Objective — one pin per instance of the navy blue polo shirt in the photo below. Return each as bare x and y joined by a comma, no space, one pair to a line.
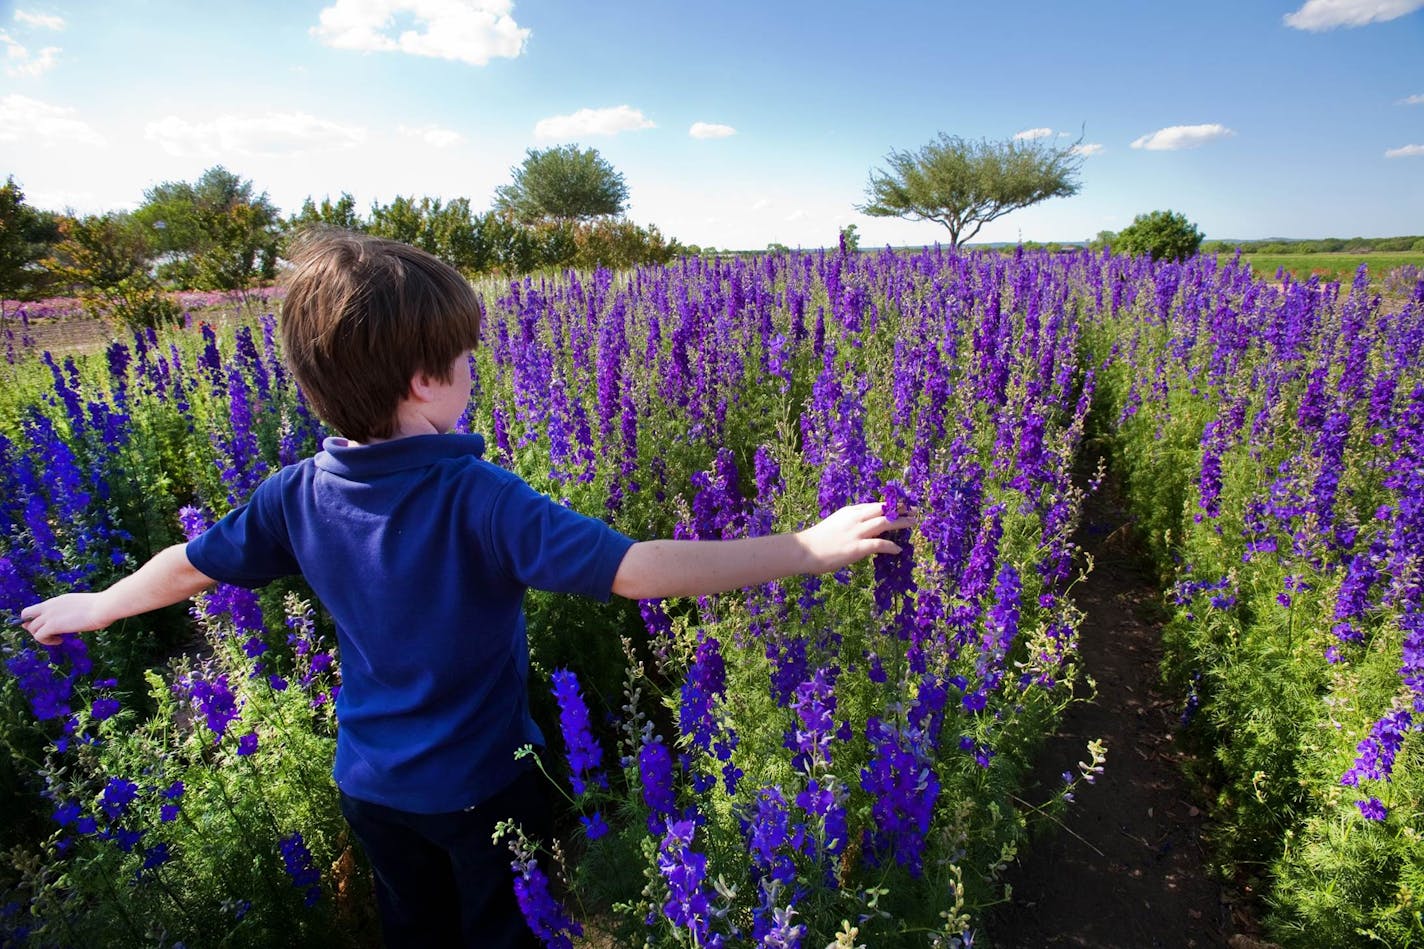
421,551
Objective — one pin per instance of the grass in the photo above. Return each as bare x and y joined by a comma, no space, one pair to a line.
1341,266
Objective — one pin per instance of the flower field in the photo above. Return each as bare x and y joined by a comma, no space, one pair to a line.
840,761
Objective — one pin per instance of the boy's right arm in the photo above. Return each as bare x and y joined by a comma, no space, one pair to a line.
661,568
166,579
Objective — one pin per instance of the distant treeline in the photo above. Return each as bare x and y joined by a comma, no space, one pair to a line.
219,234
1327,245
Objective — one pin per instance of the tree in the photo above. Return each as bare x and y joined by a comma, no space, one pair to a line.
563,183
212,234
105,259
965,184
1162,234
340,213
26,236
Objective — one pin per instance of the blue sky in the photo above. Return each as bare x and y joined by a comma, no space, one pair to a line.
735,124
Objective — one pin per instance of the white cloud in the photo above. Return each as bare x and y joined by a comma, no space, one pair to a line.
1320,15
1031,134
1407,151
470,31
609,121
796,215
273,133
1412,100
20,63
710,130
25,119
761,204
433,135
1089,148
1182,136
41,20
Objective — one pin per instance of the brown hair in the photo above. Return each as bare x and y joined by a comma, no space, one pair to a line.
362,317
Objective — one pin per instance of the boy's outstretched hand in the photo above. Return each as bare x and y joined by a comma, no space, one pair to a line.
166,579
850,534
693,567
52,620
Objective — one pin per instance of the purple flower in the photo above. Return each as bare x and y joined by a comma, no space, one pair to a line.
688,904
116,797
1372,809
104,707
594,826
655,770
297,860
247,745
584,754
546,918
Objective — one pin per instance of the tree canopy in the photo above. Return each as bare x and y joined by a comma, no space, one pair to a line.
214,233
563,183
25,236
1161,234
964,184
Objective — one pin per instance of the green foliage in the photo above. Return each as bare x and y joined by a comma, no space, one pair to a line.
450,231
104,259
26,236
212,234
340,214
850,238
964,184
1159,234
562,183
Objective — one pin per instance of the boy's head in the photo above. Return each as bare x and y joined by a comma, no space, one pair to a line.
363,316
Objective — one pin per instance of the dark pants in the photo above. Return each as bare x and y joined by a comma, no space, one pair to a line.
440,881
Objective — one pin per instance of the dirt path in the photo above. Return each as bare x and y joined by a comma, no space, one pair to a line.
1127,868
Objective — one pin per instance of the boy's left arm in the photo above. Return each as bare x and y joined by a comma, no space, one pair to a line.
168,578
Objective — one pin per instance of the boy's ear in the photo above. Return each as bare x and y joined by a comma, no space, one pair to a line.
422,388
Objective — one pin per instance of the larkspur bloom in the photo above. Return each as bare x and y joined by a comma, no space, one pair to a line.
584,754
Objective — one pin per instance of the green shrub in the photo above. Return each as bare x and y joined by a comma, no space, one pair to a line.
1160,234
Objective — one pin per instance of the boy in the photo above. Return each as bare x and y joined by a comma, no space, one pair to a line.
421,551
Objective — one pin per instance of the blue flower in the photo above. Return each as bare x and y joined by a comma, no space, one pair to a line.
297,860
584,753
594,825
116,797
1373,809
104,708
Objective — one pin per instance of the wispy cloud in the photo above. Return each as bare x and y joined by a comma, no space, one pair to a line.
1320,15
1177,137
271,133
42,20
608,121
1412,100
20,63
1031,134
1087,148
23,118
470,31
1406,151
433,135
710,130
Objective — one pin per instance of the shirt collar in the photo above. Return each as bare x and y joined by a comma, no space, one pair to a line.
341,457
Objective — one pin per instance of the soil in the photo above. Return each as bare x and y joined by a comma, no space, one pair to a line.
1127,867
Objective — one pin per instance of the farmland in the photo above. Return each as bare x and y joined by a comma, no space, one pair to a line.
1331,266
866,738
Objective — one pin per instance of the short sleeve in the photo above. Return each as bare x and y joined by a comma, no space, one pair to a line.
546,546
249,546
